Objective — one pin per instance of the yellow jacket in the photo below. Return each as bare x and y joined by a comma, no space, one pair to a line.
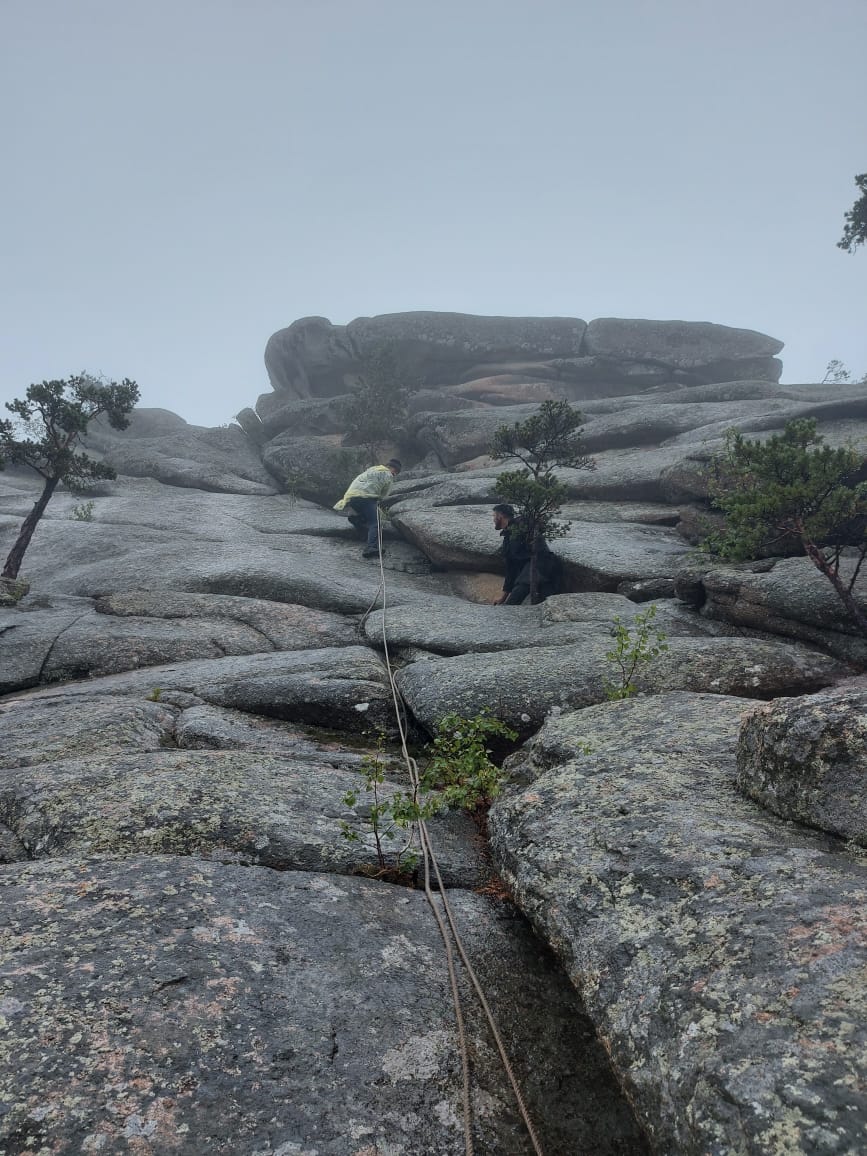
373,483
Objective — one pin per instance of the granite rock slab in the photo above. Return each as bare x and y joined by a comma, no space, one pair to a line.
522,686
178,1005
806,759
721,953
245,806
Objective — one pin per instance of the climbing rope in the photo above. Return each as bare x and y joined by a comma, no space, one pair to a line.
430,861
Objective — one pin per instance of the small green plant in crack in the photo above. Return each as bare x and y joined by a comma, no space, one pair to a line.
389,815
83,512
460,766
155,695
635,644
460,773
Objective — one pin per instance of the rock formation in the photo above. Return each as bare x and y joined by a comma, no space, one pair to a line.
200,952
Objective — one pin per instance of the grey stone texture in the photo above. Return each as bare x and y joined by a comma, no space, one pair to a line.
194,957
158,444
196,1006
522,686
806,759
313,358
720,952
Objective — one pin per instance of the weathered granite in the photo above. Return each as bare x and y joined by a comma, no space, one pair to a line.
702,350
26,640
177,1005
787,596
217,544
806,759
158,444
559,621
337,688
721,953
522,686
316,468
246,806
313,358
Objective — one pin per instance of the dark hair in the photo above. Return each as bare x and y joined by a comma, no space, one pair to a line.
394,464
506,510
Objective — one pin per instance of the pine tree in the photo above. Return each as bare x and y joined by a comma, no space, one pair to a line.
550,438
52,417
793,491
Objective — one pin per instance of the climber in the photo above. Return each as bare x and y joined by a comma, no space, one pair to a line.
363,497
517,556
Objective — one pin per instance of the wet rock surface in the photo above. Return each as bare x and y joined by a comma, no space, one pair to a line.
522,686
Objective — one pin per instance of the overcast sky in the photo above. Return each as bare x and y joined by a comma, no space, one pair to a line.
184,177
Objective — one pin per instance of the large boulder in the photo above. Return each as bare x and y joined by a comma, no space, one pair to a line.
806,759
789,597
313,358
338,688
562,619
315,468
721,952
700,350
250,807
127,631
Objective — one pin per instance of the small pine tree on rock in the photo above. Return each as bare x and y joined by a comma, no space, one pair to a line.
793,491
51,418
855,230
548,439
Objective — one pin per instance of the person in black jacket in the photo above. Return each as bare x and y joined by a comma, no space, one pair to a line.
516,556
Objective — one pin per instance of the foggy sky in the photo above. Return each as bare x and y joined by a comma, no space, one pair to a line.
184,177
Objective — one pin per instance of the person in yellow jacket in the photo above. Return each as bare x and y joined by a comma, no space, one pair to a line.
363,497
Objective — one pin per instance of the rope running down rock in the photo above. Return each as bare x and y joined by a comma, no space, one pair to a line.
430,861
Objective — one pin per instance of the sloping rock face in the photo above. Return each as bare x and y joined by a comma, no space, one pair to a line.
721,953
213,942
158,444
199,1006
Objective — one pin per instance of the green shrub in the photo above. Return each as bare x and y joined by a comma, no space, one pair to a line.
82,513
635,644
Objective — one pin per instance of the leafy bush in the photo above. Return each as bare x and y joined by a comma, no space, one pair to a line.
460,766
82,512
460,773
635,644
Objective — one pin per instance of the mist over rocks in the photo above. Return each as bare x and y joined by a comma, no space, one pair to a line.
196,687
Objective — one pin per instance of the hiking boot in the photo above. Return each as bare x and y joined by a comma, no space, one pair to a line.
367,553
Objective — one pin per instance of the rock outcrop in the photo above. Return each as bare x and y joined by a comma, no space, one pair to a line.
721,953
313,358
806,759
210,944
